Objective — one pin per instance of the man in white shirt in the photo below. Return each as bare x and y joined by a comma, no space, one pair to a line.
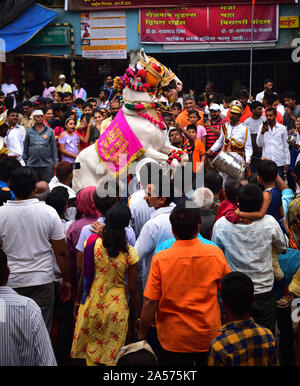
272,138
23,334
158,228
15,136
254,123
10,89
63,177
268,86
234,138
140,211
30,231
248,249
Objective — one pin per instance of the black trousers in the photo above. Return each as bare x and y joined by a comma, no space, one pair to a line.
263,310
179,359
64,318
43,295
286,337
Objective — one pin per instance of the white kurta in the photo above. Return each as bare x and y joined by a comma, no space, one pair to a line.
237,132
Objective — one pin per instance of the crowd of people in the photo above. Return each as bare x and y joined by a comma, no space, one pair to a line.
203,277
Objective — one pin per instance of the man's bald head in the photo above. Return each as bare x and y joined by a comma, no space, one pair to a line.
42,190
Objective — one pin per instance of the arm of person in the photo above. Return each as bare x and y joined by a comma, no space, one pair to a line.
60,251
133,288
287,154
278,238
248,147
260,137
203,139
257,215
207,125
281,212
218,144
87,135
280,183
185,133
65,152
53,148
79,292
79,260
26,147
147,316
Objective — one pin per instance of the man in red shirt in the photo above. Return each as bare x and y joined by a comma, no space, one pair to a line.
182,290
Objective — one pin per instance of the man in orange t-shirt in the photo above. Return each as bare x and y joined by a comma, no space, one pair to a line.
182,290
188,105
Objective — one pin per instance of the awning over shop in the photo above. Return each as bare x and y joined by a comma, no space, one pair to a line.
26,26
93,5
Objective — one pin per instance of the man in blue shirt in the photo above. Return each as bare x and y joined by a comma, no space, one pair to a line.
40,148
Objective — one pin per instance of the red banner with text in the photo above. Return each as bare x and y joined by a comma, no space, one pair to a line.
223,24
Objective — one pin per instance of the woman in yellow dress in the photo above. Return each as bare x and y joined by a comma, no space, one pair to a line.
102,321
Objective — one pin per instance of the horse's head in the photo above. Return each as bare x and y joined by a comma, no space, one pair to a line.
157,75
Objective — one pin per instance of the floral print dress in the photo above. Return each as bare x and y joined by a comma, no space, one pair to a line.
102,322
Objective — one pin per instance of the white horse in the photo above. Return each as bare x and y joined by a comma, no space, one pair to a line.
152,138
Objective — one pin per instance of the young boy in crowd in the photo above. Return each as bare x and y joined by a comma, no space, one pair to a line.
267,171
198,148
193,118
230,204
242,341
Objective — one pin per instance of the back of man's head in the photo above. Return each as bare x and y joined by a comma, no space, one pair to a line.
213,181
63,170
232,188
9,102
185,222
138,354
42,190
7,166
105,197
270,97
250,198
267,170
22,182
141,358
237,291
203,198
58,201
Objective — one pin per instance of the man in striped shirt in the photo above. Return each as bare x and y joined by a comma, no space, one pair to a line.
24,337
213,125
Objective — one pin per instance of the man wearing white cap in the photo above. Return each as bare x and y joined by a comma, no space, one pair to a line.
235,137
63,86
40,148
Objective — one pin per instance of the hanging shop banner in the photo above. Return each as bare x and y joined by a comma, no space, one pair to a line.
103,35
224,24
98,5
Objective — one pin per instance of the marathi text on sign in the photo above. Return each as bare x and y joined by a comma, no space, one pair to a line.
210,24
